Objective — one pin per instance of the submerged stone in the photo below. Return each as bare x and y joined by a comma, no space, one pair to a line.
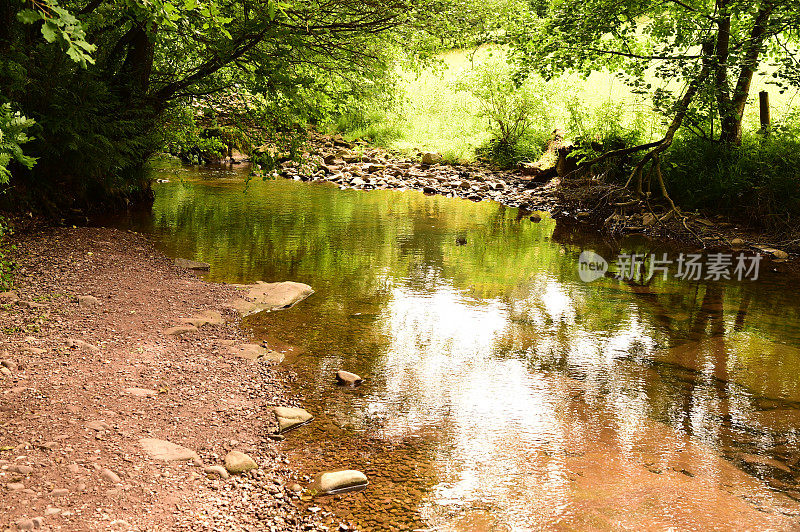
331,482
192,265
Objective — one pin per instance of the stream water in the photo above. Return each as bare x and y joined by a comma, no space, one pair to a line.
502,392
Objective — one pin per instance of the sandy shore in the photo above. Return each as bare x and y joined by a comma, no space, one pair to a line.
86,379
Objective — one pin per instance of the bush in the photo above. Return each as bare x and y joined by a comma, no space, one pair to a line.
758,181
517,115
6,265
12,135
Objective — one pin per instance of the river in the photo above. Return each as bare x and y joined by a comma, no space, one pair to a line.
502,392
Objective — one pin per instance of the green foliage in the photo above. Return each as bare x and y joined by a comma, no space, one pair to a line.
97,76
518,115
6,265
60,26
286,146
12,135
192,143
661,48
756,182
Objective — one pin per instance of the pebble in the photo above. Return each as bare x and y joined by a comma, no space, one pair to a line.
26,524
21,469
217,470
59,492
110,476
15,486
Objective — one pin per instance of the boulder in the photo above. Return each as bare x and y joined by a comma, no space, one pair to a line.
272,296
348,379
237,462
167,451
339,481
290,418
192,265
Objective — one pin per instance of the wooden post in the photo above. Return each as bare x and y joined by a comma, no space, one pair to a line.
763,100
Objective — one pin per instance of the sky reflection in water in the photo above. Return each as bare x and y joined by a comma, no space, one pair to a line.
501,392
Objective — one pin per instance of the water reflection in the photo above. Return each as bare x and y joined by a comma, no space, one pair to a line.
501,392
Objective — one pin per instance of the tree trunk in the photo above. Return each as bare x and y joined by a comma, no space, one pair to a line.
731,116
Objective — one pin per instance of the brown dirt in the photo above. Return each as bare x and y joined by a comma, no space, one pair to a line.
64,414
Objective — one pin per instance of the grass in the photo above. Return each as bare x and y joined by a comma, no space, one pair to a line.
434,115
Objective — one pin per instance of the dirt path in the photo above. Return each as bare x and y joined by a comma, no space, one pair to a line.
84,383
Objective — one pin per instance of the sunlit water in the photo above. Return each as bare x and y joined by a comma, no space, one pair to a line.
501,392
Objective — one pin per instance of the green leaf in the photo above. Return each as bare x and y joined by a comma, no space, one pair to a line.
49,31
29,16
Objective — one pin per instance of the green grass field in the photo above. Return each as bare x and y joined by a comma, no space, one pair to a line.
436,116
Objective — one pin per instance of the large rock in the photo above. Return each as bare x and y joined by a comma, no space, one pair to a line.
206,317
272,296
290,418
192,265
87,301
339,481
256,352
8,297
237,462
167,451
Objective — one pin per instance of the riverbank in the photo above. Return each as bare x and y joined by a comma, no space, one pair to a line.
591,204
93,379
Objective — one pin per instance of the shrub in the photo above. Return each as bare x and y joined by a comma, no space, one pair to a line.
517,114
759,180
12,135
6,265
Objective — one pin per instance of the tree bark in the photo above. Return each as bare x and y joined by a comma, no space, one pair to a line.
731,117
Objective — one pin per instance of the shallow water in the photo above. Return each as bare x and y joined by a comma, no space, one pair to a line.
501,392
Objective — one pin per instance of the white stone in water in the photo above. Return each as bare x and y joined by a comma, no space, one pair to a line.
289,418
272,296
337,481
347,378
